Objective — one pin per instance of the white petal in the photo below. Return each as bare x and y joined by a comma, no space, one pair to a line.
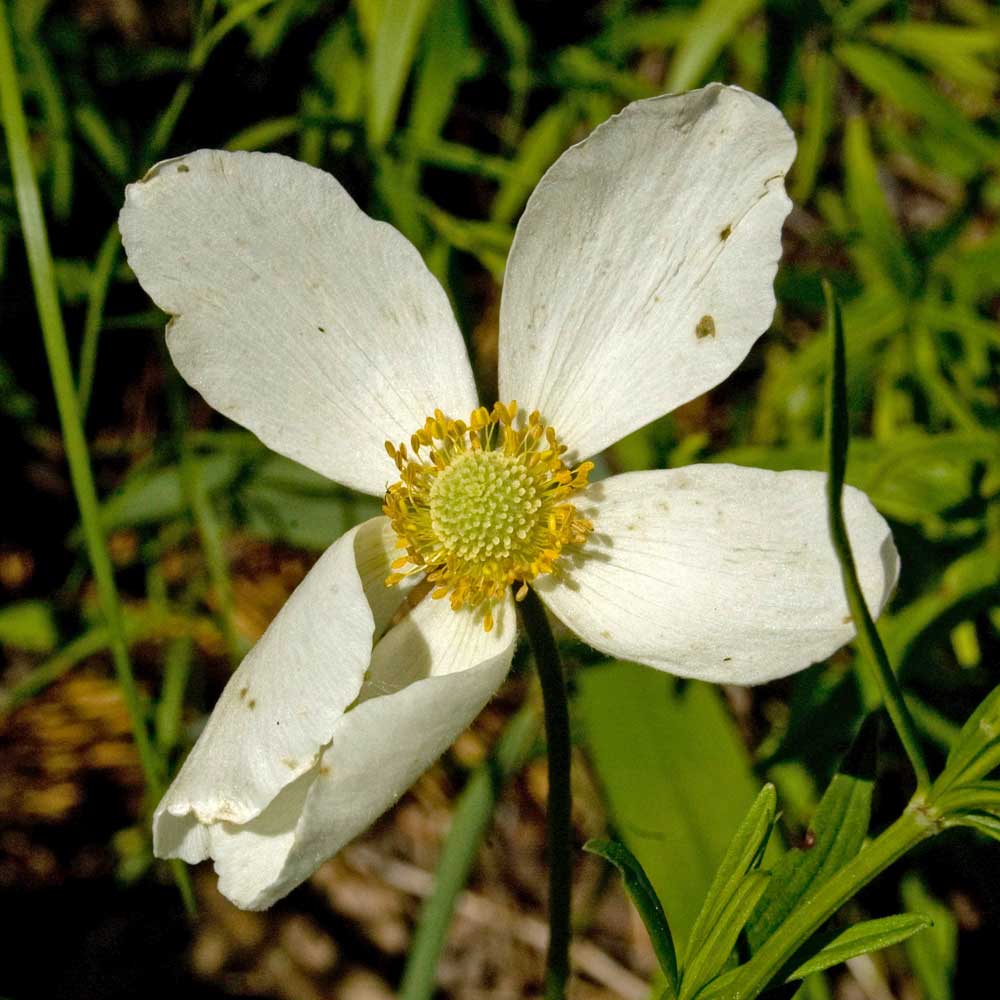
720,572
280,706
669,212
294,313
430,676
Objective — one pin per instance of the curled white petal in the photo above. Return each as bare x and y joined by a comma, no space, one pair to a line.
719,572
278,709
396,710
641,271
293,312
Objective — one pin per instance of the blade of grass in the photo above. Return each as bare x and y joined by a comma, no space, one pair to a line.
648,905
78,457
396,38
468,827
715,25
52,103
209,533
868,641
104,268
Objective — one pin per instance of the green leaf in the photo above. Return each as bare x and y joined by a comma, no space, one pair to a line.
891,79
265,133
151,496
395,44
933,957
871,212
712,953
658,773
714,25
980,732
647,32
487,241
537,150
28,625
577,67
820,82
744,854
641,892
446,60
859,939
285,501
984,823
100,136
951,50
835,836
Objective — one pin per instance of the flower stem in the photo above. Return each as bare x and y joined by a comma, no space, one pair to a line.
550,674
868,641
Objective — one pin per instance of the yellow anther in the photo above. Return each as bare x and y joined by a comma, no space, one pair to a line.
484,507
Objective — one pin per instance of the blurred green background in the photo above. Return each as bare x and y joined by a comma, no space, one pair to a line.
440,116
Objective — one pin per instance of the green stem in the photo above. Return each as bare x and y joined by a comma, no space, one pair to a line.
54,337
915,825
557,736
57,352
868,641
473,814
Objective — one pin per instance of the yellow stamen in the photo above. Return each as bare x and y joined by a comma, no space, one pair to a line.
485,508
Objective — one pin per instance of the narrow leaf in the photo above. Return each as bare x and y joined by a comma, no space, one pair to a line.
871,211
713,26
399,29
984,823
837,832
745,852
712,953
820,81
891,78
859,939
981,729
642,894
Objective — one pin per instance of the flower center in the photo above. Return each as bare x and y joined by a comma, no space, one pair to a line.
484,507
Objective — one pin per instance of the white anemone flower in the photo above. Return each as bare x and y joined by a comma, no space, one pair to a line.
640,276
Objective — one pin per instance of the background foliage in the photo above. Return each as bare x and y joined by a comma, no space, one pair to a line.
440,117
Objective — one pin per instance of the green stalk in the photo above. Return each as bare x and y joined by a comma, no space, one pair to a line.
559,828
473,813
914,826
869,643
56,350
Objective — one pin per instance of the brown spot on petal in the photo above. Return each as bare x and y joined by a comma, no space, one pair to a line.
705,328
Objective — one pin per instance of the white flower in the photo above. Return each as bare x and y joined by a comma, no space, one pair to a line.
639,277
